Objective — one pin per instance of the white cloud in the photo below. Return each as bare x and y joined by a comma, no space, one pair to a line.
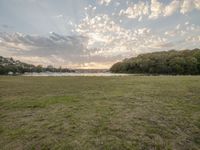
188,5
104,2
109,39
171,8
60,16
158,9
155,9
136,11
100,29
142,31
185,29
196,4
193,39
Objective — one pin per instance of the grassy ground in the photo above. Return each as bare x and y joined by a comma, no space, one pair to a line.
134,112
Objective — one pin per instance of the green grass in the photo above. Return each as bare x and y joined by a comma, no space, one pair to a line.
132,112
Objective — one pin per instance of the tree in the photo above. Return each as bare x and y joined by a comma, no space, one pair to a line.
191,65
170,62
177,65
39,68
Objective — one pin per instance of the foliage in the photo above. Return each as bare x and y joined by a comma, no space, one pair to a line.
8,65
167,62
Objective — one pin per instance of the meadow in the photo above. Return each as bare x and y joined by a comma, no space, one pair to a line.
88,113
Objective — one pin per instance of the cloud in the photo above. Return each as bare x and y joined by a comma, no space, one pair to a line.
108,39
136,11
158,9
104,2
155,9
96,39
53,41
193,38
185,29
101,39
171,8
53,47
60,16
98,43
184,36
188,5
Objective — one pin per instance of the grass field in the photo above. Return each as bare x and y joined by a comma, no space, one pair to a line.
132,112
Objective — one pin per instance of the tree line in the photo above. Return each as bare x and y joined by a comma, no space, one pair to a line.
10,66
186,62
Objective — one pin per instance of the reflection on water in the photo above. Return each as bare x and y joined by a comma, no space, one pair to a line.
73,74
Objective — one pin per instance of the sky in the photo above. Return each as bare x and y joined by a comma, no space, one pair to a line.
92,34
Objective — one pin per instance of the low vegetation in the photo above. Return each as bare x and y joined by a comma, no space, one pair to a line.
131,112
185,62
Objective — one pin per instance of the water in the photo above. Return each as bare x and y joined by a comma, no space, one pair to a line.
73,74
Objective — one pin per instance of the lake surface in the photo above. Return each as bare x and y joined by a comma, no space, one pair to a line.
74,74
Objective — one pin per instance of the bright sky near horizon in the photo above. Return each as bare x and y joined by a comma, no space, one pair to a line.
95,33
